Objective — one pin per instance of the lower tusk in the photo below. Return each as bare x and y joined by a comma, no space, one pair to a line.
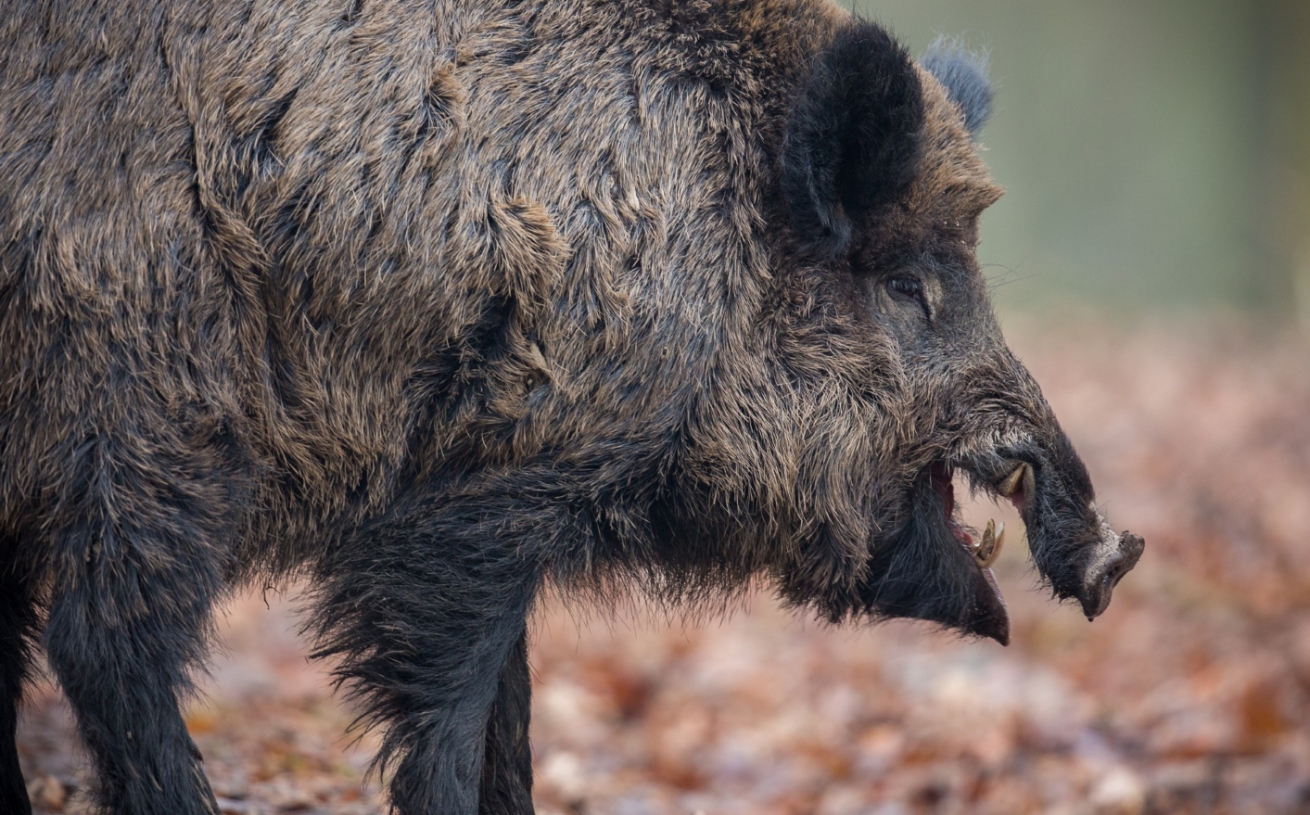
993,540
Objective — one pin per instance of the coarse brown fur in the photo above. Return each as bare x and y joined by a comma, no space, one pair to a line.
435,302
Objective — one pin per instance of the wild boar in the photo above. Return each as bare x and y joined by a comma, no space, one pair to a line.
432,304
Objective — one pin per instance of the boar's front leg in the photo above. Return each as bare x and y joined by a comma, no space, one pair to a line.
136,566
426,609
17,627
506,787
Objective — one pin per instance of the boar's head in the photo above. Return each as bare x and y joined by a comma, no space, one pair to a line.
886,354
711,306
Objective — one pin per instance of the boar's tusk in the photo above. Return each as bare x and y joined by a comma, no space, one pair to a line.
1014,480
993,540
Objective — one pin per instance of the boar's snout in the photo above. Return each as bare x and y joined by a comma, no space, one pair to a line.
1116,555
1071,542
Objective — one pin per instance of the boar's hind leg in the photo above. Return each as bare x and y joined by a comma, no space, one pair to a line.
425,612
507,764
17,627
134,577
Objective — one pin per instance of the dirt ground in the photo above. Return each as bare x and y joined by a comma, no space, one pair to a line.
1190,695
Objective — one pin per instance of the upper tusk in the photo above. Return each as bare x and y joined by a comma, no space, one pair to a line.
1013,481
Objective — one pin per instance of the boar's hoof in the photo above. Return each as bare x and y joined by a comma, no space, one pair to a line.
1122,553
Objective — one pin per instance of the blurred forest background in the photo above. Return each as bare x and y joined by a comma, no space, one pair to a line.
1157,155
1151,264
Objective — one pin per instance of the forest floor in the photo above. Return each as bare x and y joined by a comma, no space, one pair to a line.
1190,695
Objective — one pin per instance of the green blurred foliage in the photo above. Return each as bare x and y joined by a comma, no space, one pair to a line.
1156,155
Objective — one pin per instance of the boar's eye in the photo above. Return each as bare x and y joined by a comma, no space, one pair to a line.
905,286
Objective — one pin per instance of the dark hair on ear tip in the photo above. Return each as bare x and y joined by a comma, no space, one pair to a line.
853,135
964,75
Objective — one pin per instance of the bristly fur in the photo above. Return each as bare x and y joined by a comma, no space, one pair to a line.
443,305
964,75
853,135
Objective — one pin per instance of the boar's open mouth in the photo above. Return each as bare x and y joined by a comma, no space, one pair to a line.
1071,543
933,568
984,549
987,548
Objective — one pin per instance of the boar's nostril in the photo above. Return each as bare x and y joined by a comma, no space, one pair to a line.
1101,581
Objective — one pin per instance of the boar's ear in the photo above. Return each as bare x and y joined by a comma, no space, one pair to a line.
964,76
853,135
